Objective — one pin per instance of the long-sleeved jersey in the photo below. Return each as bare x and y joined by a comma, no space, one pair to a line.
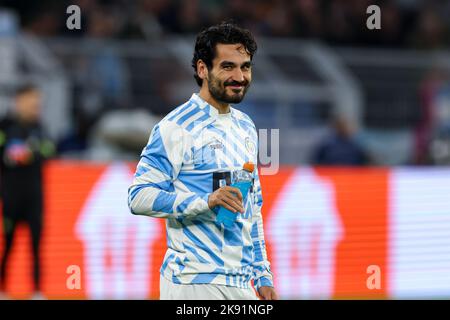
187,154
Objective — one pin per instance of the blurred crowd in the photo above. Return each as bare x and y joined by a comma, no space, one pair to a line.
105,93
405,23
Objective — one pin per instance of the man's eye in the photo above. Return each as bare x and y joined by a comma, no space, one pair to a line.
228,68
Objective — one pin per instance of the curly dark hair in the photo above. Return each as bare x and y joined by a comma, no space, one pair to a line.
223,33
26,88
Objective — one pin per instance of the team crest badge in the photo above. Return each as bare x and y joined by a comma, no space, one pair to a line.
250,146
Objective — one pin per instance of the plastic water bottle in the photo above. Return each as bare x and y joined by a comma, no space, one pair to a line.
242,179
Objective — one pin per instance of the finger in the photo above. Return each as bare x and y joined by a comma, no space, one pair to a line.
231,198
235,191
227,206
273,295
232,195
232,201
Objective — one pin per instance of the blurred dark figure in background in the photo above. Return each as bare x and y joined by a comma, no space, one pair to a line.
340,147
23,148
432,134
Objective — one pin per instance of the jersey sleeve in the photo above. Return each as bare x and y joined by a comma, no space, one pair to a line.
262,274
152,192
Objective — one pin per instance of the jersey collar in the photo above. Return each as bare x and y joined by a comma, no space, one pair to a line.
213,112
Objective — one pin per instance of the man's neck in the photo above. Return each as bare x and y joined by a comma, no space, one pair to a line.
221,107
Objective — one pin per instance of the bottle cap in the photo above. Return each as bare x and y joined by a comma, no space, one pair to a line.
249,166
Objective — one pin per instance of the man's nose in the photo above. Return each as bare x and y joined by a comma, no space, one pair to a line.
238,75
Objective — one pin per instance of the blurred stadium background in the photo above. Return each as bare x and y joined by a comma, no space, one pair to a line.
326,222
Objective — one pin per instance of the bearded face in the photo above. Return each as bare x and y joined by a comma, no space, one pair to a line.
230,77
229,91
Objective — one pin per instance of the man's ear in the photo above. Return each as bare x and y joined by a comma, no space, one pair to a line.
202,69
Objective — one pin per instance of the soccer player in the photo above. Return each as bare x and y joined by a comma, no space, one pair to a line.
184,174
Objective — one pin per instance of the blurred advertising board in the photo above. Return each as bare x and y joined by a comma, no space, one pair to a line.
331,233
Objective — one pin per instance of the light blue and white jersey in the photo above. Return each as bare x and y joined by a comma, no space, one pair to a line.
173,180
